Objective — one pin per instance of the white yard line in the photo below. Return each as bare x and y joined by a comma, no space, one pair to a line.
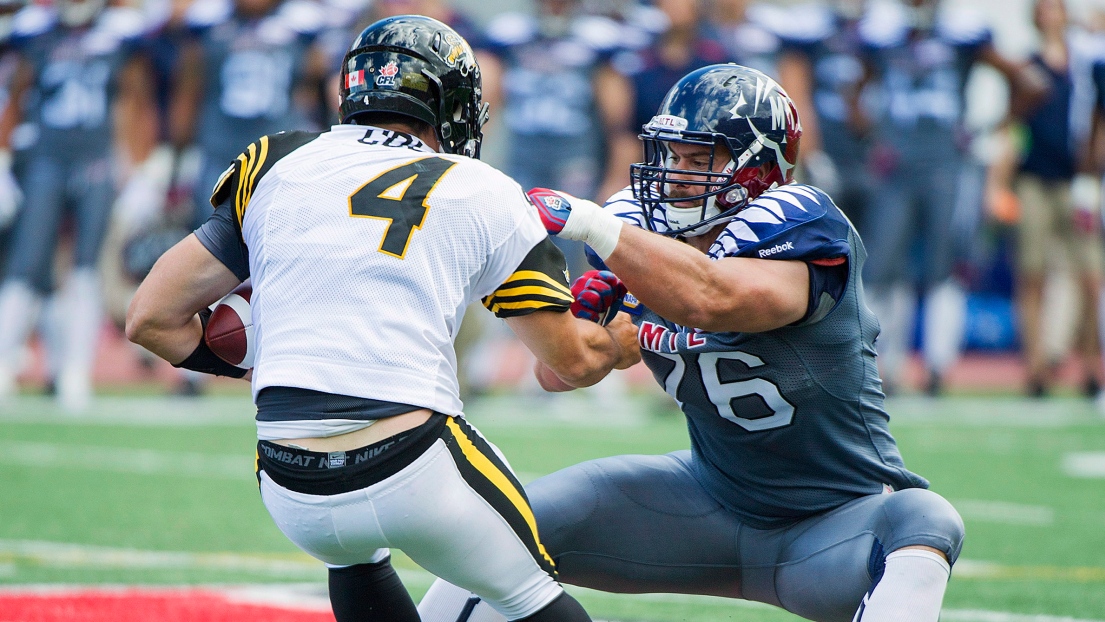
136,411
1005,513
125,460
1085,465
62,555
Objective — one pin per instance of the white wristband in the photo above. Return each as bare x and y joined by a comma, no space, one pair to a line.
592,225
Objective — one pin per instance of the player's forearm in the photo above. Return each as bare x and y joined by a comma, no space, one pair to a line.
595,356
167,340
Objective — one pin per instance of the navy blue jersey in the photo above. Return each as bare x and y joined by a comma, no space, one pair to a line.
1050,153
922,75
75,78
831,44
652,79
252,67
547,82
790,422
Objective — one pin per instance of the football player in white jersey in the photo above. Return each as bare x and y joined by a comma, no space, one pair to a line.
365,244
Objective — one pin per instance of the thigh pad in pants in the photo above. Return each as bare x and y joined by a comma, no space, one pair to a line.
635,524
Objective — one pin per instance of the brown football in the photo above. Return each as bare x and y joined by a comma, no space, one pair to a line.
229,332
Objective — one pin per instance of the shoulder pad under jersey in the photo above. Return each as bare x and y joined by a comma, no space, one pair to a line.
206,13
303,17
794,221
801,25
239,181
884,25
598,33
32,21
959,25
511,29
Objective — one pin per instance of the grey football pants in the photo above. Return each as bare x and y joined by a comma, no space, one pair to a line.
635,524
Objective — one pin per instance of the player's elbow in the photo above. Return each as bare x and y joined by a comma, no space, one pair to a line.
144,322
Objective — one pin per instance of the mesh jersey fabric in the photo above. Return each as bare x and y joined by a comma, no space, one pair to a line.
332,309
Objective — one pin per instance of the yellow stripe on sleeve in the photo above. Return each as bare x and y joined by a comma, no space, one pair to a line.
257,168
531,289
496,477
243,164
527,304
523,275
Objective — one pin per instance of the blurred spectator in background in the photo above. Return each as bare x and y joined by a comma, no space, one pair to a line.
253,69
821,68
747,33
10,201
77,66
684,44
921,59
1059,210
550,80
441,10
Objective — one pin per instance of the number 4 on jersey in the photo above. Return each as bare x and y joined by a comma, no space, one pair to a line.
400,197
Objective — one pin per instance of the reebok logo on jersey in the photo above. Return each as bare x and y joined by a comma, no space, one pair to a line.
778,248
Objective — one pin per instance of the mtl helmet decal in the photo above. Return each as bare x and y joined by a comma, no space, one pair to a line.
387,74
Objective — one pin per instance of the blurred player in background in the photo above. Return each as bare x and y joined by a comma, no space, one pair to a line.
920,58
78,67
11,196
682,45
356,369
821,67
551,74
793,492
253,69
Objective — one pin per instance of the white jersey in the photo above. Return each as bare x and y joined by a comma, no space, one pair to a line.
365,248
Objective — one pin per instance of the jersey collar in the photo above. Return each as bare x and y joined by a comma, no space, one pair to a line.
371,135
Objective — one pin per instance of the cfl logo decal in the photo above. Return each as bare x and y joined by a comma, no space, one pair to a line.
653,337
387,74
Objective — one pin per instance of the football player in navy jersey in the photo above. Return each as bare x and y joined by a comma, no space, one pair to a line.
821,67
752,316
248,72
78,65
921,57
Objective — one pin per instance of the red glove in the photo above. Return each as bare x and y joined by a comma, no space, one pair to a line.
598,296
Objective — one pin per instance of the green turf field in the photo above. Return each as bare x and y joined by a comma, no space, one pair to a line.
152,491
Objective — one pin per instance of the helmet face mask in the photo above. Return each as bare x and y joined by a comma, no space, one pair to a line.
742,122
417,67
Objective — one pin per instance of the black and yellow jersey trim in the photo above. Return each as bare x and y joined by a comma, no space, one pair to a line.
540,283
240,180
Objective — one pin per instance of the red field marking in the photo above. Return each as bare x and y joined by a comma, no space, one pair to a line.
144,606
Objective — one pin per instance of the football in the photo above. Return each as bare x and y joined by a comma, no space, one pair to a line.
229,331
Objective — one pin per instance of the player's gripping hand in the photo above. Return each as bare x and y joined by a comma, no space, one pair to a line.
578,219
598,296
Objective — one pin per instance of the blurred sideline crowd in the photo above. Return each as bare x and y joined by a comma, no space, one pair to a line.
120,115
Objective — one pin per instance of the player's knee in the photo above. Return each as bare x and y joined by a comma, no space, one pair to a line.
921,517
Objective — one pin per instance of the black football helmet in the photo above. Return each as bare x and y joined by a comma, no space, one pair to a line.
417,67
742,111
